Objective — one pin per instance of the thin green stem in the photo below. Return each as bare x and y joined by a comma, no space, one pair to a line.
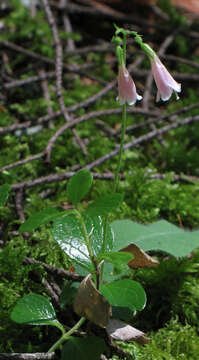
59,326
65,336
124,47
116,179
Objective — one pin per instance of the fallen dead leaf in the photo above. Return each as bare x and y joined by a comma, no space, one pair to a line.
121,331
91,304
141,259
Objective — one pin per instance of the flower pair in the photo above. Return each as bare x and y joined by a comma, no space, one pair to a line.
164,82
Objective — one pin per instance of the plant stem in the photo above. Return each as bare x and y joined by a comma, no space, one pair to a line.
59,326
124,47
65,336
116,179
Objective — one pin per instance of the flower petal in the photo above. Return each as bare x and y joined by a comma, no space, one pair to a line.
163,79
126,88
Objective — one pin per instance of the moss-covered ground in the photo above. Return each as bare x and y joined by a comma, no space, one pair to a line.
161,175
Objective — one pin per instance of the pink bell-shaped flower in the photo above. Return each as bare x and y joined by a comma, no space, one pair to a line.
164,81
126,87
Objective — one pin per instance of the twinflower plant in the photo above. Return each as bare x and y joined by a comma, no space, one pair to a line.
164,81
107,297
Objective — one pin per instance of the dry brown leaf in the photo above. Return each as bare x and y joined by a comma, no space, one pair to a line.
121,331
91,304
141,259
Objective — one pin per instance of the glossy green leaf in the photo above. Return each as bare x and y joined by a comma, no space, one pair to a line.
117,258
68,234
41,218
78,186
89,348
105,204
111,273
160,235
125,293
33,309
4,192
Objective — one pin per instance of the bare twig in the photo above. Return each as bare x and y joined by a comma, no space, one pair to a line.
68,27
52,293
19,207
142,139
44,85
56,178
150,135
54,270
28,356
87,10
59,67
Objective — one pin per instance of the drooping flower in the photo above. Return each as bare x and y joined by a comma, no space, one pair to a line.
126,87
164,81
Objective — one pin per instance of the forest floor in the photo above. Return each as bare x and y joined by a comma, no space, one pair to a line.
62,69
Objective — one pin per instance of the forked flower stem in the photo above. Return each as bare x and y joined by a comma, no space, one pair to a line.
65,336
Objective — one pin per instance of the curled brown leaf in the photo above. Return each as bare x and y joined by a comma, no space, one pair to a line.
141,259
91,304
121,331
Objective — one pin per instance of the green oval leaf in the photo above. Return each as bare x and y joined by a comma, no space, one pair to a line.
89,348
33,309
68,234
105,204
125,293
119,259
4,192
41,218
160,235
78,186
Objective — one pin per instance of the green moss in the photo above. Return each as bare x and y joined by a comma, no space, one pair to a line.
175,341
173,288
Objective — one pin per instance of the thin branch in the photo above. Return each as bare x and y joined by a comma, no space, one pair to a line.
72,8
54,270
28,356
55,178
59,68
73,108
60,177
19,206
52,293
44,86
23,82
68,28
142,139
70,68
